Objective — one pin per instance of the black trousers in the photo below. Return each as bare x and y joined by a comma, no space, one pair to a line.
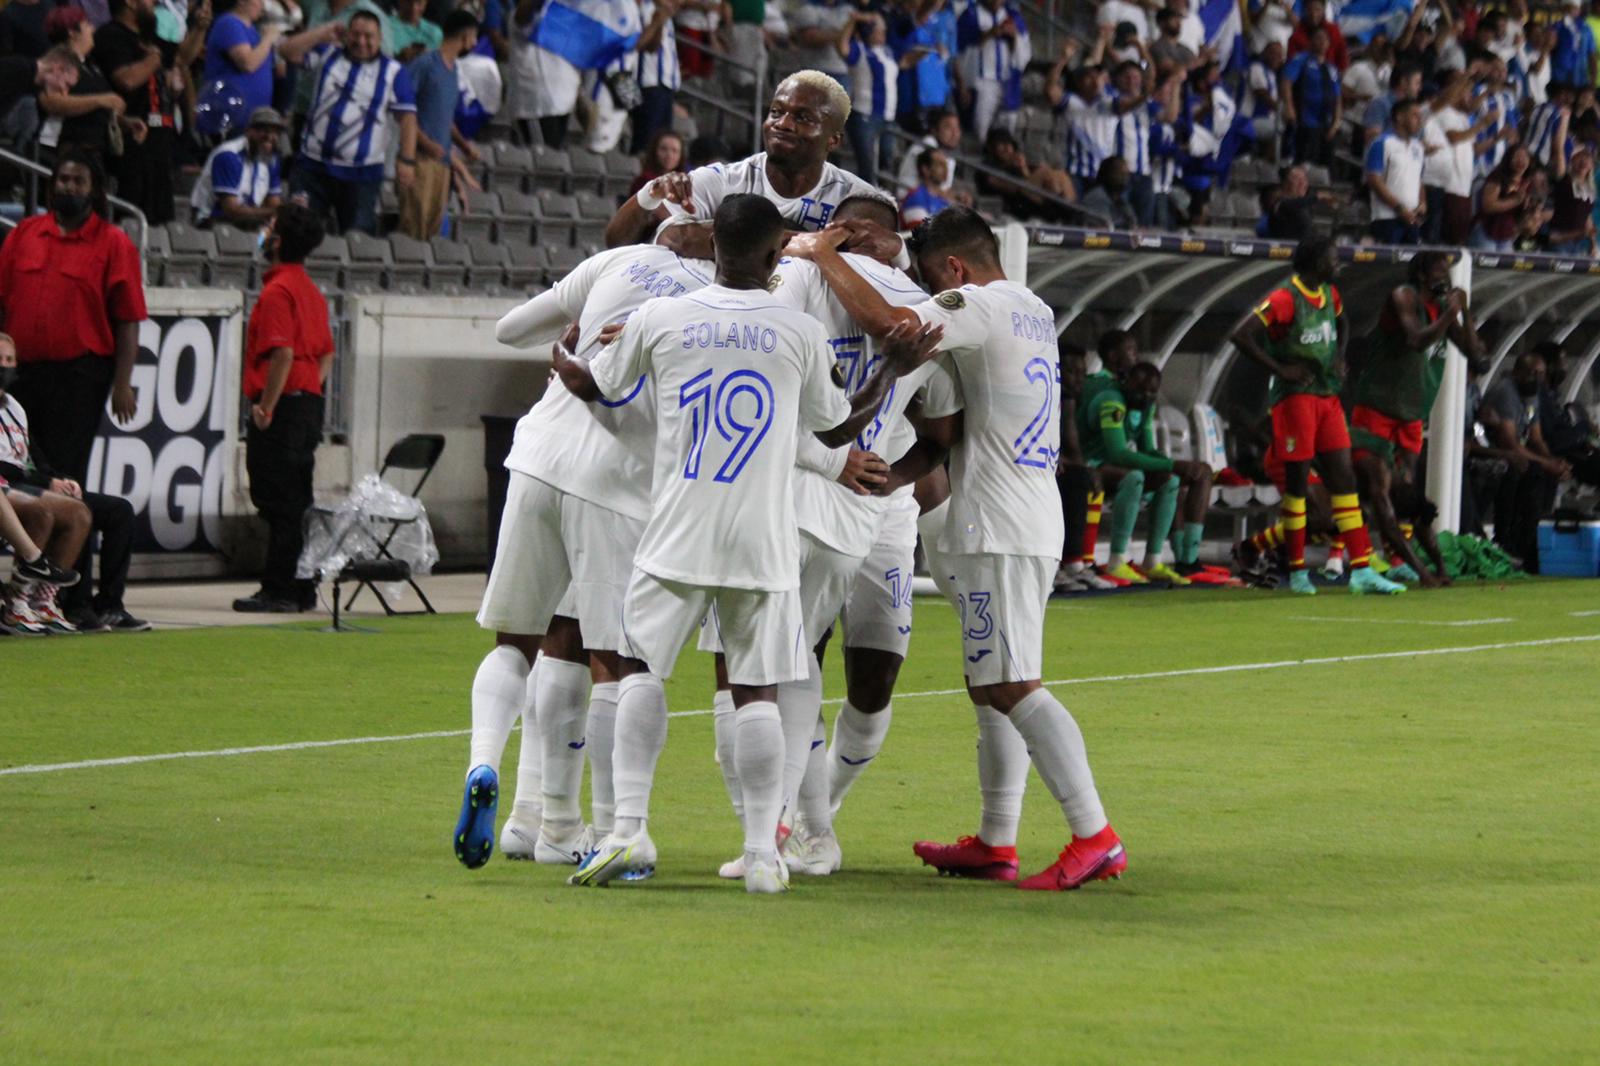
144,174
1519,503
111,517
280,460
1075,485
654,114
65,402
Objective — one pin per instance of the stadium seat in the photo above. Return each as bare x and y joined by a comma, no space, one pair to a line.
477,219
369,260
326,265
193,250
562,262
235,265
528,263
409,260
509,167
1318,174
588,170
621,169
594,211
551,169
517,213
557,215
449,264
488,263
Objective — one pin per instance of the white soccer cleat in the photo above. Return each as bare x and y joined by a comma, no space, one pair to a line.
732,870
617,858
813,854
519,841
564,851
763,876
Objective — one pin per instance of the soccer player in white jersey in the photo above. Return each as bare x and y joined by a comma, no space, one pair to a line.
737,378
996,413
804,122
575,508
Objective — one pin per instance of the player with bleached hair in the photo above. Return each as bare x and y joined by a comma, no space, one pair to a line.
738,377
995,410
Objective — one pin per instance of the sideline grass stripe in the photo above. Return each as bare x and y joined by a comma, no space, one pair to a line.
1104,679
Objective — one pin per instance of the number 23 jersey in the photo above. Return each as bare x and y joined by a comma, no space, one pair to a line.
1003,371
738,376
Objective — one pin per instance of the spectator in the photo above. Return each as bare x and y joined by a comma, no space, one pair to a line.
58,525
1394,175
1191,31
1131,142
545,85
1024,197
945,135
1529,68
288,353
1405,83
358,88
1263,79
413,34
1572,229
91,114
1500,202
1316,17
995,50
923,34
22,31
1511,417
240,58
1272,21
145,69
1116,12
1496,101
698,22
1420,43
240,183
21,466
323,13
874,86
1574,61
659,75
76,339
1550,122
927,199
814,30
1091,121
663,156
22,82
1127,46
1110,197
433,76
610,105
1368,77
1310,90
1567,429
1533,221
1168,49
1448,140
1290,207
33,565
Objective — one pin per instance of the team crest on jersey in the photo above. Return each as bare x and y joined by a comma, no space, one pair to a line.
774,282
950,300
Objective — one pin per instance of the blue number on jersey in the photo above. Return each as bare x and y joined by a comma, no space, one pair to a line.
849,356
1027,449
707,407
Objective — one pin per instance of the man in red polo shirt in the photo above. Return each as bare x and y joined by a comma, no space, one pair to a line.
288,352
72,297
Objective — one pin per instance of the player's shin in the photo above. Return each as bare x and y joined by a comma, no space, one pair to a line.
857,739
1294,530
758,753
799,705
725,725
1002,777
1056,744
1091,527
562,687
1352,528
498,691
1124,514
815,805
527,811
601,733
1162,511
641,734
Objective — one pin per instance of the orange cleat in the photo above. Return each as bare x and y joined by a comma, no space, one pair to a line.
969,857
1098,858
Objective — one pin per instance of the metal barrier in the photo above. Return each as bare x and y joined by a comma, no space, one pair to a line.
117,204
755,110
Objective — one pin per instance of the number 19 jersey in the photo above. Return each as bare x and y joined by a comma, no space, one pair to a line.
738,377
1003,370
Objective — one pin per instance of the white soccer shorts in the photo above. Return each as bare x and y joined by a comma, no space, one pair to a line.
825,577
1002,603
559,554
877,611
762,634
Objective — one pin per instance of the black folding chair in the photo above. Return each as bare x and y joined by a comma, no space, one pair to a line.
419,451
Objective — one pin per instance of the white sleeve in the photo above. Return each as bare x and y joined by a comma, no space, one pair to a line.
822,400
710,187
792,282
943,391
547,314
625,359
963,314
814,455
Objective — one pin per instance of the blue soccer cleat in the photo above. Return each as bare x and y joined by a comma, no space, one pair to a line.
1403,572
1363,582
474,835
1300,583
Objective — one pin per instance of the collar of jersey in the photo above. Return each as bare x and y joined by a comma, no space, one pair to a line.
1314,296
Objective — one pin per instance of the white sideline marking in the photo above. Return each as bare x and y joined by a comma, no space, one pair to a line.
1233,668
1583,614
1406,621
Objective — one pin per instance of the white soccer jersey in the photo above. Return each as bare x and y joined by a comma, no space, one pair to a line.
836,515
601,452
737,377
1004,371
714,183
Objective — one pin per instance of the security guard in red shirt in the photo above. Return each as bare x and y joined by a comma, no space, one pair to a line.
288,353
72,294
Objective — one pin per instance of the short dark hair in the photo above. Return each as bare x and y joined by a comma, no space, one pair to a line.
1401,72
298,230
362,13
743,225
458,22
1403,105
1550,350
866,204
90,160
925,158
958,231
1423,262
61,21
1126,64
1145,371
1108,342
1309,251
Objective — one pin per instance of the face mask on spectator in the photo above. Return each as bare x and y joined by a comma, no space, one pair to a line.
8,378
70,207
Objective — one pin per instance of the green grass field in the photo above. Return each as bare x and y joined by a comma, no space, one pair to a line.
1373,859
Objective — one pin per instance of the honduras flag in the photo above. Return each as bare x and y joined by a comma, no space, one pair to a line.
1224,32
1360,19
589,34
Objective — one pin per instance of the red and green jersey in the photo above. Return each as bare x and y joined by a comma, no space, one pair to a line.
1394,378
1303,326
1113,435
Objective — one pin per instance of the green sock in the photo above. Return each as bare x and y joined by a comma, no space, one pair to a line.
1162,512
1125,510
1193,534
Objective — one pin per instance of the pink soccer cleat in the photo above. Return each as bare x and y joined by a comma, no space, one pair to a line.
1098,858
969,857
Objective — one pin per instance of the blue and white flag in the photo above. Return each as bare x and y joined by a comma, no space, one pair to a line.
589,34
1360,19
1224,32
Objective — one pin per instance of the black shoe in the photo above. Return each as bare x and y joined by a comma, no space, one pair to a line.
263,602
89,620
307,598
42,569
118,620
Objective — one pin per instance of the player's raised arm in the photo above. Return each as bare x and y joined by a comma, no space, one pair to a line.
643,212
904,348
870,310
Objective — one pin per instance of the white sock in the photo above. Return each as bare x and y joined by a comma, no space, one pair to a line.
1115,560
724,724
641,734
857,739
815,807
1002,777
759,753
602,733
1056,744
562,689
528,809
799,706
498,690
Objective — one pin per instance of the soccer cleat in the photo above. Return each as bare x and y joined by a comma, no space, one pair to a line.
813,854
474,835
1163,572
18,619
1402,572
1300,583
1069,582
1093,579
564,851
732,870
42,598
617,858
765,876
43,571
1127,575
1364,581
969,857
1098,858
518,840
1333,569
